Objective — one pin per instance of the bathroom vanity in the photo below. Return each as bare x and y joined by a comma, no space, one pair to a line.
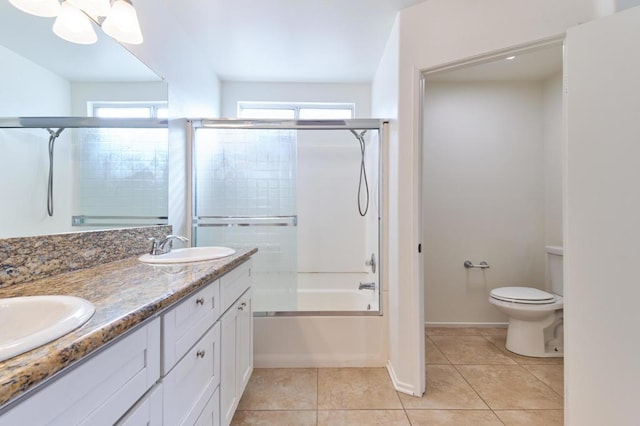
168,344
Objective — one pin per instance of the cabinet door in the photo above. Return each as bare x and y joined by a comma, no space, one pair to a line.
210,415
101,389
229,397
192,382
147,411
244,341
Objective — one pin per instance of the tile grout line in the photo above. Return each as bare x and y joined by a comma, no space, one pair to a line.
464,378
317,395
523,366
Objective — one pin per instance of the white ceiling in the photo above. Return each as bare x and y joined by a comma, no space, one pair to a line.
536,64
240,40
291,40
249,40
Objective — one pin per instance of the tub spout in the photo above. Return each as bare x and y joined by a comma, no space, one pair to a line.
367,286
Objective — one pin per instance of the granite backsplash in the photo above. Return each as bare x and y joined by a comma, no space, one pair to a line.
26,259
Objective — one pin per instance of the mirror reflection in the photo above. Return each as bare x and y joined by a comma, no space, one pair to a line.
102,177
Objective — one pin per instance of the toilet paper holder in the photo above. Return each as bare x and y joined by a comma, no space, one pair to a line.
482,265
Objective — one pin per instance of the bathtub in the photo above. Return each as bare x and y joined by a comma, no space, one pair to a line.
336,292
332,328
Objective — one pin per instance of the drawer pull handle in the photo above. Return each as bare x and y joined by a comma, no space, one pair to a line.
241,308
200,354
243,304
200,301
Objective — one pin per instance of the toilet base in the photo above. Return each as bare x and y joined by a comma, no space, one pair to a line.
537,338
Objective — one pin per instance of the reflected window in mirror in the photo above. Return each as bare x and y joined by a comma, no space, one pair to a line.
122,173
128,110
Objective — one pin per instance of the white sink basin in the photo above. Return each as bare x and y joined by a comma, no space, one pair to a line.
190,254
29,322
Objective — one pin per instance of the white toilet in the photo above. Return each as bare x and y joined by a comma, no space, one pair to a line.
535,316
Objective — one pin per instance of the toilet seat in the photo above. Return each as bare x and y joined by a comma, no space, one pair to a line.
524,295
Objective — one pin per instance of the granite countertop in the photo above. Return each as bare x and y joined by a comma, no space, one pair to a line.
125,293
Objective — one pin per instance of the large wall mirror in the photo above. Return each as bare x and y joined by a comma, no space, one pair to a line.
102,177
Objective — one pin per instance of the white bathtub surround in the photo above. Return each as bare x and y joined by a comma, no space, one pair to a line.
321,341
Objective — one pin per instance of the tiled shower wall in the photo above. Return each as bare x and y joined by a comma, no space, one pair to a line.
122,172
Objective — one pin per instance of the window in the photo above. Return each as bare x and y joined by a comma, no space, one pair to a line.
128,110
301,111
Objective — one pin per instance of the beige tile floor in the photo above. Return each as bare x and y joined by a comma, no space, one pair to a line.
471,380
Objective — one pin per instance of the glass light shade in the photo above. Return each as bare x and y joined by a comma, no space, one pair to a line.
122,23
45,8
74,26
93,8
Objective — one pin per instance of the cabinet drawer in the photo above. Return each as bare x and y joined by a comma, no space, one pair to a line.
184,324
210,416
147,411
100,390
190,384
233,284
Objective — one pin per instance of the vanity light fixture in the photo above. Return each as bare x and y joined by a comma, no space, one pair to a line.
73,25
93,8
122,23
44,8
118,18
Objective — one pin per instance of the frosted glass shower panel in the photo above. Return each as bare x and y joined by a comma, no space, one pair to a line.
245,196
244,172
274,266
122,172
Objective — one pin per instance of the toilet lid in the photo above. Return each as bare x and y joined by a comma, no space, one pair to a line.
528,295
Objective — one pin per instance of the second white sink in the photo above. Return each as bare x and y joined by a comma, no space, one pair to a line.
32,321
190,254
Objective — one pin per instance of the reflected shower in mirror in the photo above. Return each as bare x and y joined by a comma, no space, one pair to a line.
98,172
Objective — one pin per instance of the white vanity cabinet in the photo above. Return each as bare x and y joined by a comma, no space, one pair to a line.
208,359
100,390
191,356
236,336
174,370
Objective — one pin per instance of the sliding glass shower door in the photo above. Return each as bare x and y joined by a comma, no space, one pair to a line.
245,196
307,195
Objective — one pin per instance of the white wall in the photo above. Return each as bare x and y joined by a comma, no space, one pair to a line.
235,91
483,195
602,208
432,34
553,136
405,343
143,91
194,91
30,90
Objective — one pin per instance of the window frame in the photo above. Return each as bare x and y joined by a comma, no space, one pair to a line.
294,106
153,107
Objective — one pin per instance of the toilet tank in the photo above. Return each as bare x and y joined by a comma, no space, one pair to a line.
554,265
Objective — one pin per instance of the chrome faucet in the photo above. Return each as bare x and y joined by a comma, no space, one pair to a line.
367,286
165,244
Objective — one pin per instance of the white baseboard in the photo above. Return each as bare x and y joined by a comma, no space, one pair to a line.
467,324
397,384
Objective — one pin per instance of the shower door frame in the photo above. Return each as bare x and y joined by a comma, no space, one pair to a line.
347,124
